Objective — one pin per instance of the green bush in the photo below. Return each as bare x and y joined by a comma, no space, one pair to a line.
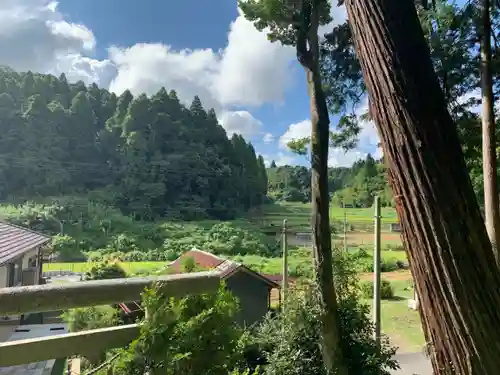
190,336
296,349
66,249
105,270
364,262
86,318
386,289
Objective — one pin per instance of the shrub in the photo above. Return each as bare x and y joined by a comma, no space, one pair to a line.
189,336
364,262
296,350
386,289
66,249
105,270
88,318
226,238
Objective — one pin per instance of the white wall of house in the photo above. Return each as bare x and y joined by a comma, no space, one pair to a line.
3,276
27,256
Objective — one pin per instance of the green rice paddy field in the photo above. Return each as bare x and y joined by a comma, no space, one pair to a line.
298,215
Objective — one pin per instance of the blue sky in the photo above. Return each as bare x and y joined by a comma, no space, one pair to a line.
196,47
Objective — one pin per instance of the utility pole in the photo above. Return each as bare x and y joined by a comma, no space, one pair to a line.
345,228
376,275
284,283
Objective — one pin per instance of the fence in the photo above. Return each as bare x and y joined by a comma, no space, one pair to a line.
50,297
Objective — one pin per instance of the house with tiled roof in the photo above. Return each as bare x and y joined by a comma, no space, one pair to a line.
21,251
252,289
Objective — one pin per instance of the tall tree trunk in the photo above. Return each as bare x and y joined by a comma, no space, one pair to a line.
449,251
491,203
322,244
308,56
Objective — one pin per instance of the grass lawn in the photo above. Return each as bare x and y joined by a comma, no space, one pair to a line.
401,324
129,267
271,266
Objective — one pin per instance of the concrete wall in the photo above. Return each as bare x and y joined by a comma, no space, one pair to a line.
3,276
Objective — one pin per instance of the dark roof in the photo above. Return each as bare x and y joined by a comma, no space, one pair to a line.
15,241
278,279
226,267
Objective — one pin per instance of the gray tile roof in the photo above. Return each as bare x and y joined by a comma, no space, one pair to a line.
16,241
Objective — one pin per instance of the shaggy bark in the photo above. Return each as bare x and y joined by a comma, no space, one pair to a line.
449,251
308,56
491,203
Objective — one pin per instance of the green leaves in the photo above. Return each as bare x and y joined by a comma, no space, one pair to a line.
190,336
282,18
149,157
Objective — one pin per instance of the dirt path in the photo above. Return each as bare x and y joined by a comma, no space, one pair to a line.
412,364
401,275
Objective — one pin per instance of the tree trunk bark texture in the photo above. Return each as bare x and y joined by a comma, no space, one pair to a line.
322,243
322,246
491,203
448,248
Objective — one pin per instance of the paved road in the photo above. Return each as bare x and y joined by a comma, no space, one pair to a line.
413,363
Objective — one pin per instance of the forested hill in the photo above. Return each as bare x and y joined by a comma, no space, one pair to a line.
357,185
147,156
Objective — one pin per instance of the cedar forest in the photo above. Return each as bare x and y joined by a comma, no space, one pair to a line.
145,178
148,157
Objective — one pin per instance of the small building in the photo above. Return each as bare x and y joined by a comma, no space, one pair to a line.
20,259
21,251
252,289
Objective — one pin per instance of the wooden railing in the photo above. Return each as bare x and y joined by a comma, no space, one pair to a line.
51,297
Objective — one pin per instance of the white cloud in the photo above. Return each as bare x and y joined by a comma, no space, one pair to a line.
241,122
280,159
35,36
78,67
238,75
145,68
268,138
295,131
368,140
249,71
252,70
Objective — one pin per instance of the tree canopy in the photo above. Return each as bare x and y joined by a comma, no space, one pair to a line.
148,156
355,186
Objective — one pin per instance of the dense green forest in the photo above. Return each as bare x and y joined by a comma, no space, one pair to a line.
149,157
355,186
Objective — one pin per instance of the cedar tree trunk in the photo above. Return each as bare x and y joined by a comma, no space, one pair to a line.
491,204
443,232
308,56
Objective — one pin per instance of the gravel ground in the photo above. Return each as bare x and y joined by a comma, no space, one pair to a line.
413,364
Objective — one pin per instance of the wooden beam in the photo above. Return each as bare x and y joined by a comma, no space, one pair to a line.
13,353
63,296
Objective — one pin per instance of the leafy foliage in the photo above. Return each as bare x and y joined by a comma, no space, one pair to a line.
86,318
189,336
356,186
147,156
386,289
97,232
105,270
451,32
290,341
